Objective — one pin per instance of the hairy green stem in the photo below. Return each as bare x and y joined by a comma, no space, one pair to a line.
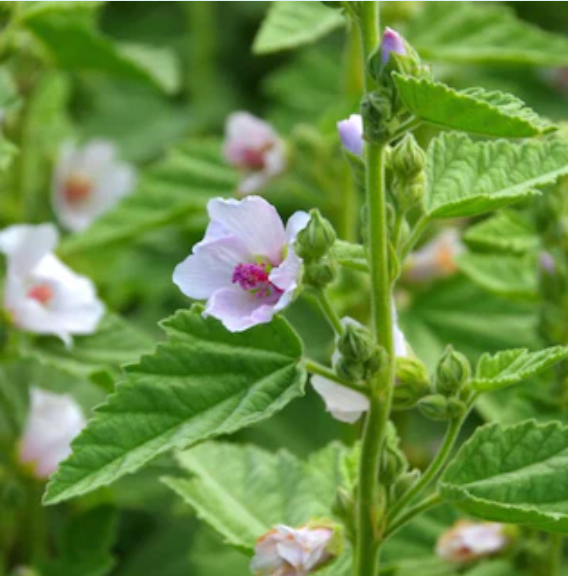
426,504
419,229
329,312
321,370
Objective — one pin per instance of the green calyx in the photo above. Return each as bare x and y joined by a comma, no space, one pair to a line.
316,239
452,372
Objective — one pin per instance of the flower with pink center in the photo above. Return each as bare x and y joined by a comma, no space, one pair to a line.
469,541
286,551
392,42
52,423
88,182
41,294
252,145
245,266
351,134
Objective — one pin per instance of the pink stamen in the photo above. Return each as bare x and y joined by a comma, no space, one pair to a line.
254,278
41,293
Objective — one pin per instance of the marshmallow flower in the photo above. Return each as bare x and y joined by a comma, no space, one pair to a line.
88,182
345,404
287,551
41,294
252,145
245,266
53,421
469,541
351,134
392,42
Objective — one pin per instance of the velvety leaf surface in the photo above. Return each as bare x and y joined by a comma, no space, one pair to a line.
203,382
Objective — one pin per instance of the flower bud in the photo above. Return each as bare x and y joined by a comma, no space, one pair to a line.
319,274
452,372
434,407
356,343
314,241
376,362
412,382
344,507
377,111
405,482
393,460
392,42
350,370
351,134
407,159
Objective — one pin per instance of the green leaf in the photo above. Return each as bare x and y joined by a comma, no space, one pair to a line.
515,474
466,178
292,24
504,274
471,32
505,231
84,49
511,366
474,110
243,491
175,189
203,382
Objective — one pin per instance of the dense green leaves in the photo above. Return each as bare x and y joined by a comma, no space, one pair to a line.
292,24
473,110
515,474
466,178
203,382
511,366
243,491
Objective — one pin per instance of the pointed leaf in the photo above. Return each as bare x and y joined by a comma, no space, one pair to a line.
466,178
511,366
203,382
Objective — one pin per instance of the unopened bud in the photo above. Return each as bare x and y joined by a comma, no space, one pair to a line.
377,111
315,240
393,460
392,42
356,343
405,482
344,507
452,372
376,362
351,134
434,407
320,274
412,382
407,159
350,370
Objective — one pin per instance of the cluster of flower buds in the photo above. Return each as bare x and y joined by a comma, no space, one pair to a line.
412,382
286,551
407,161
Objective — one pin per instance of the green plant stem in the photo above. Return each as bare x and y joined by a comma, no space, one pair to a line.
431,472
556,541
419,229
422,506
329,312
321,370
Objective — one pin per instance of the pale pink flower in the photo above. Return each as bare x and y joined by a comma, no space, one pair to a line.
392,42
252,145
52,423
288,551
468,541
88,182
41,294
245,266
436,259
351,134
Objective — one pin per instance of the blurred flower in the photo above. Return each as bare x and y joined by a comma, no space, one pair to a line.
88,182
468,541
392,42
351,134
546,263
41,294
436,259
253,146
287,551
53,421
245,266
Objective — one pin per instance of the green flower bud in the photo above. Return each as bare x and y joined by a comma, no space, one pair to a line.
315,240
320,274
377,112
376,362
405,482
356,343
344,507
452,372
434,407
407,159
350,370
412,383
393,460
456,408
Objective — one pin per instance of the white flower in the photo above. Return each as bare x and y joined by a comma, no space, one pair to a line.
288,551
436,259
468,541
253,146
245,266
41,294
88,182
53,421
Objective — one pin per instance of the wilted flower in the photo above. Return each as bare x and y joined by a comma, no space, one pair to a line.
53,421
253,146
468,541
351,134
436,259
288,551
392,42
245,266
41,294
87,182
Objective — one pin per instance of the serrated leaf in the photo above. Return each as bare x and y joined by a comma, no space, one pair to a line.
514,474
507,231
474,110
203,382
466,178
511,366
244,491
176,188
471,32
504,274
292,24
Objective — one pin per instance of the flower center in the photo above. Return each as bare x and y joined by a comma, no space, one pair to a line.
41,293
254,278
77,188
254,158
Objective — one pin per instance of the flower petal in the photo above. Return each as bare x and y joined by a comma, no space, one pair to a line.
344,404
298,221
25,245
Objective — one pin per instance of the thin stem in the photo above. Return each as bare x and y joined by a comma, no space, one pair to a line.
426,504
417,232
329,312
321,370
407,127
556,542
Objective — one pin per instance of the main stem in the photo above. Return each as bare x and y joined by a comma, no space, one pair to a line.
370,501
